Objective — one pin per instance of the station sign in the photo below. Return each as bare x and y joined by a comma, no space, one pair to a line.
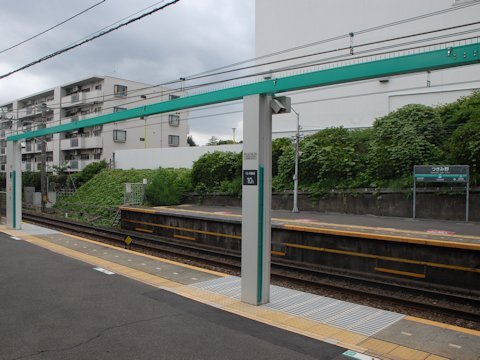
441,173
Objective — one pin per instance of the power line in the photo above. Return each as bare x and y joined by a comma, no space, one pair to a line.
171,91
51,28
339,37
327,61
56,53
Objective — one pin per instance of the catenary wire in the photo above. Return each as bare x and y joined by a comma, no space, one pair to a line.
52,106
51,28
330,60
103,33
458,7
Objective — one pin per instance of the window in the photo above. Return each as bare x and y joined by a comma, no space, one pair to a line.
84,156
97,132
97,156
98,87
74,142
118,108
119,135
120,90
173,97
173,140
173,120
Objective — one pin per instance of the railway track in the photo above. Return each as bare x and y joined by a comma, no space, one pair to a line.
445,305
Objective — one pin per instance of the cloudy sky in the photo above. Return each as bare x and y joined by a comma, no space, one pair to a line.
186,38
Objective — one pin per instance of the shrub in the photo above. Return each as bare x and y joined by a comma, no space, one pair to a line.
410,136
212,169
168,186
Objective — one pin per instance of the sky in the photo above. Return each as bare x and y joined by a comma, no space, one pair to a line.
186,38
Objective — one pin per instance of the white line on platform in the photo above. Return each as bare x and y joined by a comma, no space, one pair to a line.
406,333
455,346
102,270
15,238
355,355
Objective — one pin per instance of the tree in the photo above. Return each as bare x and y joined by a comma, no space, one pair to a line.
225,142
190,141
212,141
412,135
168,186
212,169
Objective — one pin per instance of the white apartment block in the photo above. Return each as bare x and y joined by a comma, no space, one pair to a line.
86,98
285,24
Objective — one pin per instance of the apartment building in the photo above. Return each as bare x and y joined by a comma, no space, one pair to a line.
86,98
309,27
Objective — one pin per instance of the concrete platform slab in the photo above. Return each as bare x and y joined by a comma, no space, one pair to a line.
368,332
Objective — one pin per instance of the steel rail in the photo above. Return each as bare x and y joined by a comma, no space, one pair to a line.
393,293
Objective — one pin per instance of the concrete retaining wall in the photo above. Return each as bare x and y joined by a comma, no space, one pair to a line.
430,205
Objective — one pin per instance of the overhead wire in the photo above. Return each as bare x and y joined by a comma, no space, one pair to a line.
51,28
103,33
327,61
344,36
53,105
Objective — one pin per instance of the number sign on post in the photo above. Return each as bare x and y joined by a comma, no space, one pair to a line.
458,174
250,177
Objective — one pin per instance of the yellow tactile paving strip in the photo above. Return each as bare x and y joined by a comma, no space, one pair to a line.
344,338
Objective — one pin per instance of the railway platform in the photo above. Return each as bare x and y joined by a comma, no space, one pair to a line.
438,254
428,229
56,307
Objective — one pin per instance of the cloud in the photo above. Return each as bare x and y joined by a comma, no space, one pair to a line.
186,38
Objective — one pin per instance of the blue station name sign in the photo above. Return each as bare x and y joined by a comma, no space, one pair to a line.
441,173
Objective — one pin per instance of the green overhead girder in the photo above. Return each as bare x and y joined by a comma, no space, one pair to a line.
431,60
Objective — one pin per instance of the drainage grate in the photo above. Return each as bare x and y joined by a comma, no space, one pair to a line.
360,319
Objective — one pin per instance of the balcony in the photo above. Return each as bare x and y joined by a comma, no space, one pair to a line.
72,99
25,112
79,165
93,142
81,98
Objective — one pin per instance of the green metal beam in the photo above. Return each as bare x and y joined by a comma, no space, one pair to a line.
431,60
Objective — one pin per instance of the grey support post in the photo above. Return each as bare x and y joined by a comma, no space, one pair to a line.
256,199
14,185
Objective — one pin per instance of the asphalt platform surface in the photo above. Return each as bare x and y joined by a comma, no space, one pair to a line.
55,307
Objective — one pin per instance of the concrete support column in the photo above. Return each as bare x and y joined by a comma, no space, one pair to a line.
256,199
14,185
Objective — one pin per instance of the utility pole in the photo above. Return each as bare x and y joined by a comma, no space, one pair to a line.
43,162
295,176
233,129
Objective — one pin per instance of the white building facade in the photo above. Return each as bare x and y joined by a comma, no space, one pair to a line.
79,100
287,24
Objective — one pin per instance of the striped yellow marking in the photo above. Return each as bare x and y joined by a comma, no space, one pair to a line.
436,357
378,347
164,209
141,210
186,266
184,237
144,230
399,272
443,326
184,229
402,352
279,253
395,238
380,257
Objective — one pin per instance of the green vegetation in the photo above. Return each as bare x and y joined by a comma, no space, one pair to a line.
168,186
382,156
334,158
218,172
97,199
